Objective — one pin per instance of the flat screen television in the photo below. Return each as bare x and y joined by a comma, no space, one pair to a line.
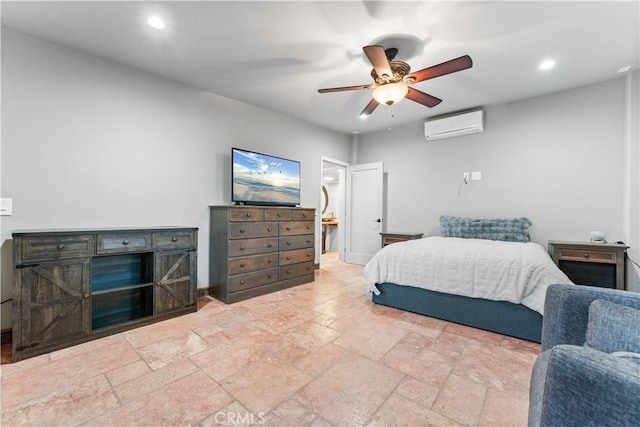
260,179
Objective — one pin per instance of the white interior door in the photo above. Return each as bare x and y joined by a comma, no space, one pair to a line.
364,219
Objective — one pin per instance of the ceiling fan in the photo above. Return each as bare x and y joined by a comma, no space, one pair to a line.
392,78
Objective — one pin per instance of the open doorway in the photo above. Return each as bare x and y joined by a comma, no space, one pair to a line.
332,207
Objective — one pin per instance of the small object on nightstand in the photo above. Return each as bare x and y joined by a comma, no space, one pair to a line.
591,264
389,237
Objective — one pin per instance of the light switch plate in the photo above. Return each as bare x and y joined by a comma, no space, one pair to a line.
6,206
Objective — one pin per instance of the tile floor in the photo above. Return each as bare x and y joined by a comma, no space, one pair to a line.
319,354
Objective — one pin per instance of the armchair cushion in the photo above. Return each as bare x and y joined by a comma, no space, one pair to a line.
613,327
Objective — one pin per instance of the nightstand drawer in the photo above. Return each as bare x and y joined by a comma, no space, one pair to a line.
566,254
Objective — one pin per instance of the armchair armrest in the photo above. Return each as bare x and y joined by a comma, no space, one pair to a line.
566,311
580,386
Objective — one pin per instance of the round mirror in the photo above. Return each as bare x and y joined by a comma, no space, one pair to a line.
326,199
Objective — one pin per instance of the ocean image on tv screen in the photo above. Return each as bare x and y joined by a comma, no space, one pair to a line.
264,179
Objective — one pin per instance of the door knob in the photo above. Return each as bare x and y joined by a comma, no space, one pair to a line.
377,220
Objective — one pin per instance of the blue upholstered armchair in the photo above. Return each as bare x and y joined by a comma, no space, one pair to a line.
589,371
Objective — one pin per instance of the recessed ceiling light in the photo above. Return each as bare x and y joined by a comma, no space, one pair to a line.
363,116
624,69
156,22
547,64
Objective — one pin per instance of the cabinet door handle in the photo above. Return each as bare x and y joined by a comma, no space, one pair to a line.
60,247
125,242
86,296
174,239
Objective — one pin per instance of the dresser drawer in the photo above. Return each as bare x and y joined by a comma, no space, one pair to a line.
277,215
240,230
304,215
296,270
246,214
123,242
296,227
288,243
252,263
244,247
40,248
566,254
178,239
294,257
252,280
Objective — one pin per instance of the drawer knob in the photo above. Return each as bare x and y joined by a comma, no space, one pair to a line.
308,227
288,258
279,214
242,282
308,241
60,247
269,229
586,255
269,276
125,242
308,255
85,296
242,230
242,265
248,214
288,228
242,248
308,268
288,271
174,239
288,243
269,261
269,245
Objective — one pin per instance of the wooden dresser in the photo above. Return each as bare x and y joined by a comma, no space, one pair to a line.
257,250
73,286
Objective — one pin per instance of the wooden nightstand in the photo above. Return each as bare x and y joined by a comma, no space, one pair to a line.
592,264
388,237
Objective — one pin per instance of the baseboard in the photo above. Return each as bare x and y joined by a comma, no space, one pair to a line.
6,336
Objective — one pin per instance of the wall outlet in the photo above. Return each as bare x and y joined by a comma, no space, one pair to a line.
476,175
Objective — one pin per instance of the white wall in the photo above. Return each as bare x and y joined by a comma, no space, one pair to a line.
87,142
556,159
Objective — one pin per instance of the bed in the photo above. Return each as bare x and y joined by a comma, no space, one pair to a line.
481,272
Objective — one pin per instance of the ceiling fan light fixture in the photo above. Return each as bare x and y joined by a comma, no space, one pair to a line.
390,93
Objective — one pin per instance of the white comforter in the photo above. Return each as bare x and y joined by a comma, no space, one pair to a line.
502,271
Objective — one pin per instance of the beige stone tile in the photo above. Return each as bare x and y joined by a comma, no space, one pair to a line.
450,344
128,372
71,405
502,409
426,365
183,402
398,411
372,341
44,379
311,334
420,392
496,367
319,360
290,413
171,349
461,399
154,380
12,368
284,319
233,415
521,346
349,392
265,384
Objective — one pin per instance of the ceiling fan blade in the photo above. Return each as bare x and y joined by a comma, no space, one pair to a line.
448,67
369,108
378,59
423,98
345,88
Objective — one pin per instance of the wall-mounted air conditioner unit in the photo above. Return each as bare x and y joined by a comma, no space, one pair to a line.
455,125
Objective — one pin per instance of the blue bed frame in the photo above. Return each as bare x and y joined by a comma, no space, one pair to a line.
503,317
